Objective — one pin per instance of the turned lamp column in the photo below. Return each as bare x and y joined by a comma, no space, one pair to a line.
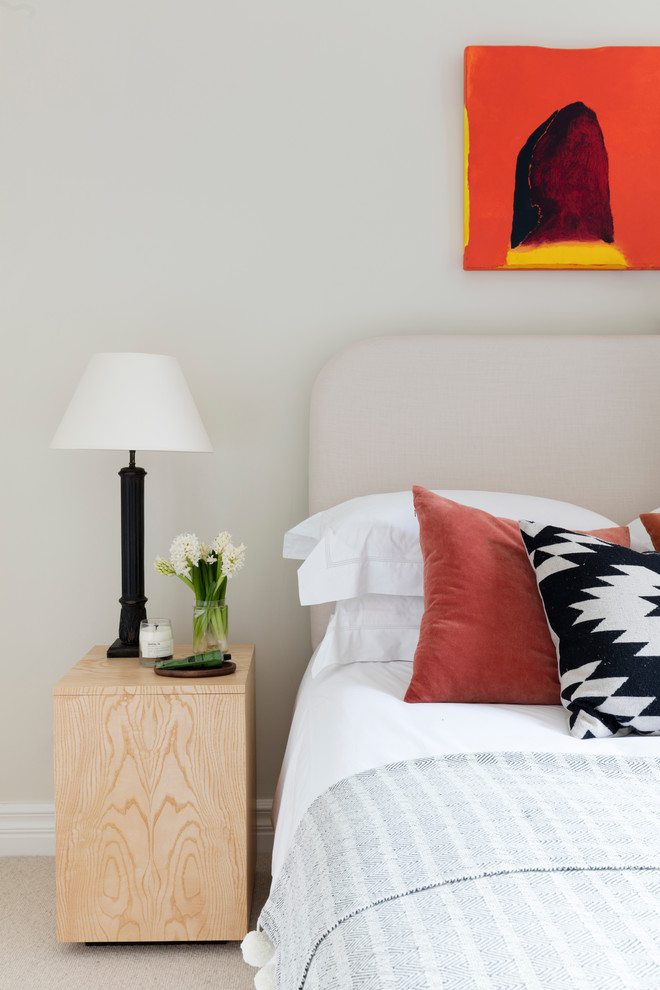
133,599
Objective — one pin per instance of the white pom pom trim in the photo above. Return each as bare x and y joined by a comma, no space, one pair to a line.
265,978
257,949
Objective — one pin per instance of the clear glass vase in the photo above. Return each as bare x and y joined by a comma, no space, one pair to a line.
210,627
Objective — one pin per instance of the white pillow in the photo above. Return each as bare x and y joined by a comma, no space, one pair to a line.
370,545
370,628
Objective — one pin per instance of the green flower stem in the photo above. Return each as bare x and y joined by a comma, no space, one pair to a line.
219,624
198,581
210,621
217,590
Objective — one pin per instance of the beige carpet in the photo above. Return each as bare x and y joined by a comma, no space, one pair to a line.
32,959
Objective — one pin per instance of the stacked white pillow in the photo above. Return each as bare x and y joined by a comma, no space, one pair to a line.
364,554
370,545
370,627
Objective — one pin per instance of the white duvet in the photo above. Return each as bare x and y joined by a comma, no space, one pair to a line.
352,717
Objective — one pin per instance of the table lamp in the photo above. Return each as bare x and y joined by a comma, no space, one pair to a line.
132,402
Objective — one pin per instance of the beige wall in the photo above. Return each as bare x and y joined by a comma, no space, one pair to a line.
248,186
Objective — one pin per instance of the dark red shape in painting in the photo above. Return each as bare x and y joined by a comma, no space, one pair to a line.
568,179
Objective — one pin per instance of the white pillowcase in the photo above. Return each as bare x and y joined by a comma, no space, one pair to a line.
370,628
370,545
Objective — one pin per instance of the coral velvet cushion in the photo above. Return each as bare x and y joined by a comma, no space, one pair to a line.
484,636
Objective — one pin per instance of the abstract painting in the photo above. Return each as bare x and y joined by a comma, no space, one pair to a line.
562,152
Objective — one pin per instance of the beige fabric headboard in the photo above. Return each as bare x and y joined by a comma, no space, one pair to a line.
568,417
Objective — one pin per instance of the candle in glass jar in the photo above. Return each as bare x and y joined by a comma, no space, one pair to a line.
156,641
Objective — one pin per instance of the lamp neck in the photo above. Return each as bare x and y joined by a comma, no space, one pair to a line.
131,455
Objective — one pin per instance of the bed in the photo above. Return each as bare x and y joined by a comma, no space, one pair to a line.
456,811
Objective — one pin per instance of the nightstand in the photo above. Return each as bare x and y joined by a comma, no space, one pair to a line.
154,801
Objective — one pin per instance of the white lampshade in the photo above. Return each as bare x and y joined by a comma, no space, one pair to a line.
132,402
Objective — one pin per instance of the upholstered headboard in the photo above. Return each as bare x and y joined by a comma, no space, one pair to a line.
567,417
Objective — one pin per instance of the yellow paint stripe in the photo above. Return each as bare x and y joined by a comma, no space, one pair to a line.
567,254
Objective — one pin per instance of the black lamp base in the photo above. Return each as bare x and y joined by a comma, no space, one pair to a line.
132,600
119,649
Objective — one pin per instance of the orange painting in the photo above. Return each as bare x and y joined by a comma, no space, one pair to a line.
562,154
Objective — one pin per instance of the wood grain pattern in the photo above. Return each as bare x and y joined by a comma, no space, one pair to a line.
154,803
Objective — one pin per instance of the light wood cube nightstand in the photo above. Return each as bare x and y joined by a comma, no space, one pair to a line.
154,801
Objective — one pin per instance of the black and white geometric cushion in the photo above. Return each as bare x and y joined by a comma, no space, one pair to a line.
602,603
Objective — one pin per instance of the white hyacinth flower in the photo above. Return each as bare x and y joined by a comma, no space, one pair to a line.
206,554
233,559
221,542
186,550
163,566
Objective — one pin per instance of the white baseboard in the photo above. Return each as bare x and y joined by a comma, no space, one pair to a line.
264,825
29,829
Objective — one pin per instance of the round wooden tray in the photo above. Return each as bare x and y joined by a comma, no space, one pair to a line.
228,667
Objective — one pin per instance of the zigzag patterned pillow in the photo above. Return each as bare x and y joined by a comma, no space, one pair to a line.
602,603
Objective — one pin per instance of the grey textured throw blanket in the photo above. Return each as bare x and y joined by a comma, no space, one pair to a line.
492,871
